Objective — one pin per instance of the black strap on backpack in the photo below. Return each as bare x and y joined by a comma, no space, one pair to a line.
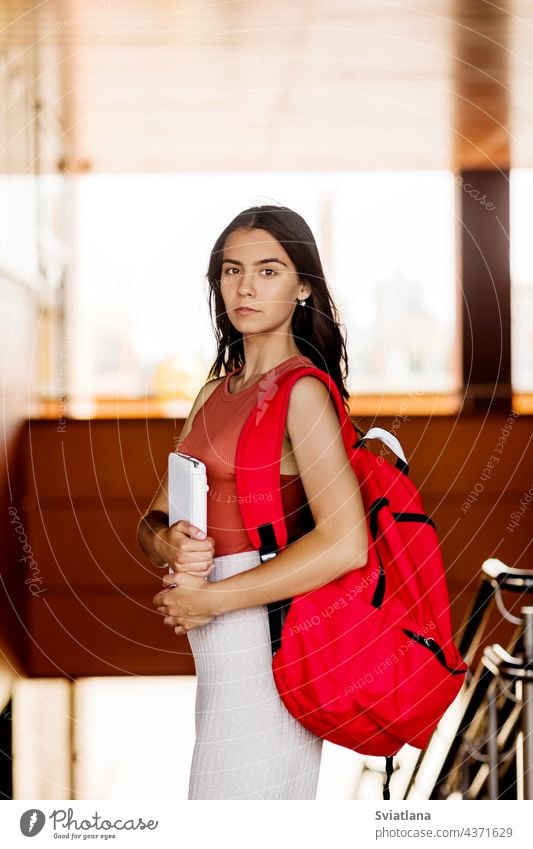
277,610
389,769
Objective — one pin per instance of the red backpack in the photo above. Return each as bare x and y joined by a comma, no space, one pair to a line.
366,661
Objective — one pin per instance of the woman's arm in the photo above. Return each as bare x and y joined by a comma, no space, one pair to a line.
155,520
337,544
309,562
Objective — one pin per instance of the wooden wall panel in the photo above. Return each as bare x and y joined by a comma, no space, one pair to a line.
485,279
86,488
17,310
75,633
89,545
97,458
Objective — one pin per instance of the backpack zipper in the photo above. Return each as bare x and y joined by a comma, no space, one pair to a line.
433,646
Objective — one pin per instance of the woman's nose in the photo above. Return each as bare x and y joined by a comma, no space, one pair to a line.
246,284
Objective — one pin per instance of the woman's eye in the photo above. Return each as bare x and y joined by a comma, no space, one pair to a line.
230,269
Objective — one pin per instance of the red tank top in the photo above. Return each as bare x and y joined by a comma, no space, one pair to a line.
213,439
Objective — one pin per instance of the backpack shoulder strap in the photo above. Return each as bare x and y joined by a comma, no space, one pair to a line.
258,457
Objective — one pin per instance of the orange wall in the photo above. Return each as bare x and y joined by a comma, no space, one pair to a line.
19,322
85,488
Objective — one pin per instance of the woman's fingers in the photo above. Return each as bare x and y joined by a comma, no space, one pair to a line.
196,550
194,568
185,527
185,543
178,629
186,557
201,569
191,565
184,553
170,620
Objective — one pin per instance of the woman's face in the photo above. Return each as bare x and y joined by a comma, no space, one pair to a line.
258,273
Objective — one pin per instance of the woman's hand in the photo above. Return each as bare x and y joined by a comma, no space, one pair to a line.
186,602
181,547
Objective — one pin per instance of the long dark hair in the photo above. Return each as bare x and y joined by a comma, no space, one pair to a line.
315,327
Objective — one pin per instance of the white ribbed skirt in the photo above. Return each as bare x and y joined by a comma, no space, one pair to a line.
248,746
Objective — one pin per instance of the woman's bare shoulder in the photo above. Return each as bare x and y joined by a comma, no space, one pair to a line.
215,381
205,392
209,387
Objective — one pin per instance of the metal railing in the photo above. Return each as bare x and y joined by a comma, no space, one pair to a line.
483,746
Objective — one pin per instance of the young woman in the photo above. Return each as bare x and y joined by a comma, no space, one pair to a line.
272,311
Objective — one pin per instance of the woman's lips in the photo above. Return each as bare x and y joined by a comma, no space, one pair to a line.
245,310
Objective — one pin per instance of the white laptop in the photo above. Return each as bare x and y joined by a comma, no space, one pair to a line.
187,490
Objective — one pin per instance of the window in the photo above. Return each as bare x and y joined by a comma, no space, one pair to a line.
394,273
140,324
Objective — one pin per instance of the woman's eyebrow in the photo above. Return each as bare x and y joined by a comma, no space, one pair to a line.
259,261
